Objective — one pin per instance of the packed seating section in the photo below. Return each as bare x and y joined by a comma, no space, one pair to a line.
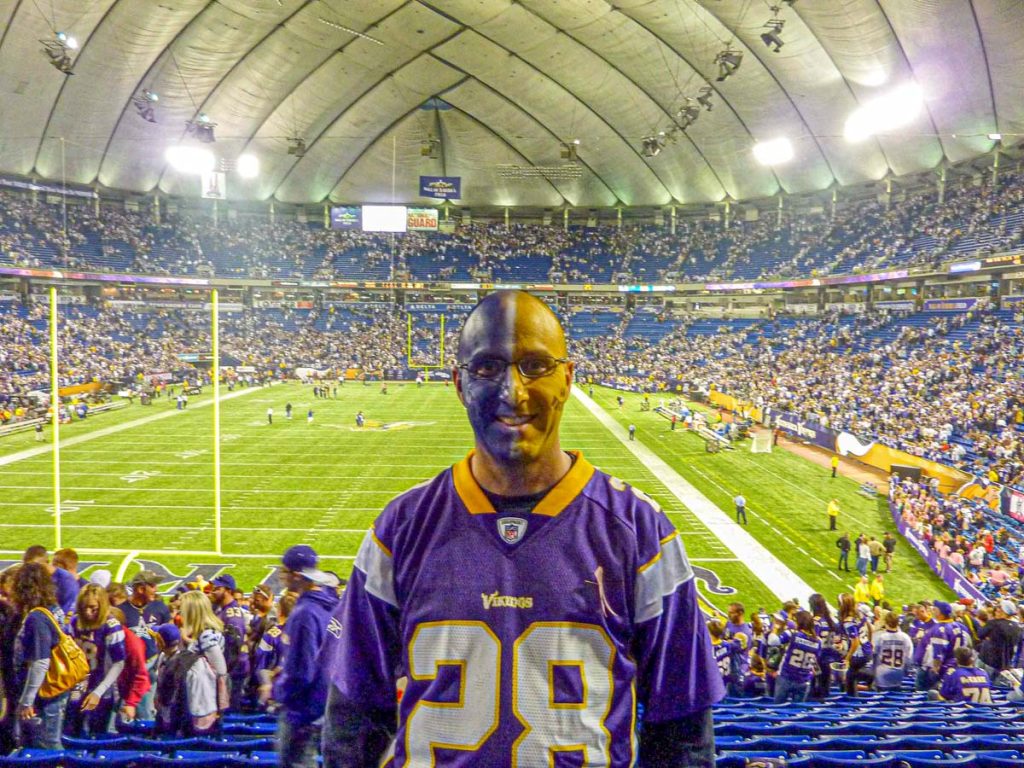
974,218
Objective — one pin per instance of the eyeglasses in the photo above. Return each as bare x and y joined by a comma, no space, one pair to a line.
531,367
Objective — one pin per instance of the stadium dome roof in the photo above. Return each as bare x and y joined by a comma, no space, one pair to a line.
502,82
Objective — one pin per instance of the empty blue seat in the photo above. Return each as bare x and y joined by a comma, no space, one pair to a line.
255,760
989,743
941,743
1010,729
739,759
927,758
996,758
235,744
110,758
92,743
37,758
159,745
249,729
852,757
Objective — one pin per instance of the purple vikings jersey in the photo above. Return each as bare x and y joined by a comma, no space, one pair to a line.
523,637
800,660
103,647
966,684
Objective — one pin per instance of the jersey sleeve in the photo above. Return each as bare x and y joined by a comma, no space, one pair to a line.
362,651
114,640
676,670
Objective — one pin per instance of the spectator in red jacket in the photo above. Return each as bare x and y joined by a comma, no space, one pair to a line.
134,682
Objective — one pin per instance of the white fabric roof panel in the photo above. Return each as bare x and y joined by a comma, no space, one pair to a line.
521,77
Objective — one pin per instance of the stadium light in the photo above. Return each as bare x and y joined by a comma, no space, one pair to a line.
728,62
248,166
651,146
886,113
773,37
193,160
995,137
774,151
58,52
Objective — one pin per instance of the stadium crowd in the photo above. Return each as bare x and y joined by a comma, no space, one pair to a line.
913,228
888,376
984,545
176,669
953,400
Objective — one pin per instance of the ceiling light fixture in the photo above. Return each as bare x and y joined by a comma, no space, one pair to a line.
774,151
885,113
728,62
773,37
248,166
58,51
145,105
192,160
202,128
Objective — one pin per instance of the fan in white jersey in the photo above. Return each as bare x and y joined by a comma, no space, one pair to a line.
893,652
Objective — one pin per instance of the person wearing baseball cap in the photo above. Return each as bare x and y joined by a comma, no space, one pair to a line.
142,611
230,612
301,689
941,642
998,639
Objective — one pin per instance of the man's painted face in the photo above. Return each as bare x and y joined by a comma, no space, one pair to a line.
515,417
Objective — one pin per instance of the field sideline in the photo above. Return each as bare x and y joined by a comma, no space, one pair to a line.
149,487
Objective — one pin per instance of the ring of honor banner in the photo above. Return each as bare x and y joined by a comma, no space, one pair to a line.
214,185
441,187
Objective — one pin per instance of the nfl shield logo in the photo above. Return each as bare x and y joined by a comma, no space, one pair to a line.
512,529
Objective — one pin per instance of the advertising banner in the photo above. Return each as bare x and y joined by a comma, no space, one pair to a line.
1011,301
949,305
871,453
346,217
953,578
421,218
441,187
440,307
1014,504
896,306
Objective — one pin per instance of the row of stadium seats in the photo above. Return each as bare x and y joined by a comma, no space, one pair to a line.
861,234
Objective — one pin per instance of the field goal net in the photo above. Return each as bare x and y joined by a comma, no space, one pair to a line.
762,443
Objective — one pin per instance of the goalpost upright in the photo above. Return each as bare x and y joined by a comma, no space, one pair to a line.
215,335
55,409
408,345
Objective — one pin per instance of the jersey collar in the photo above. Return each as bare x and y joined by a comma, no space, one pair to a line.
557,499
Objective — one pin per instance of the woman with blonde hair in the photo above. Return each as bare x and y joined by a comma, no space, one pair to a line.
100,634
202,633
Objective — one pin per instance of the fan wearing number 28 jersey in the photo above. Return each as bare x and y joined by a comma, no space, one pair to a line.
531,600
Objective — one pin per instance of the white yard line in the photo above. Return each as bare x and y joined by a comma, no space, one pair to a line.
32,452
775,574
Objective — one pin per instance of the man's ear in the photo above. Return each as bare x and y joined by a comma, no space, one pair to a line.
457,378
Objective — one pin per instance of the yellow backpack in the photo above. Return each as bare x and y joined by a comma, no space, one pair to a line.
68,663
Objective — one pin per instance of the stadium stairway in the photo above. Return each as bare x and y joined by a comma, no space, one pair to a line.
899,728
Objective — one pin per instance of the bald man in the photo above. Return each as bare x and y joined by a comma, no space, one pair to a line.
530,600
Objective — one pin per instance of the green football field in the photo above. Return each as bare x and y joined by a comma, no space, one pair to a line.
137,486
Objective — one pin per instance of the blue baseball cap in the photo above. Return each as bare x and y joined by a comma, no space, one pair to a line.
169,633
944,608
303,560
225,580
